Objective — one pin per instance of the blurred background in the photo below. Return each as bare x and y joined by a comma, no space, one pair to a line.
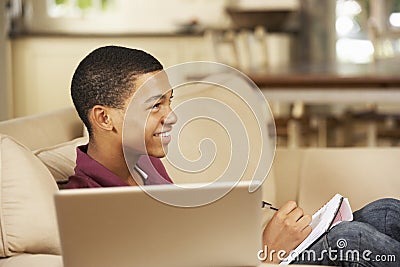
329,69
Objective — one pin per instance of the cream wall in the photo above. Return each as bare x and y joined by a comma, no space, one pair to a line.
43,66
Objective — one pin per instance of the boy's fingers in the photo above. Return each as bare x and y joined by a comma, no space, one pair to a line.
304,222
288,207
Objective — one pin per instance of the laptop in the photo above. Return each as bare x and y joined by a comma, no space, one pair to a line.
124,226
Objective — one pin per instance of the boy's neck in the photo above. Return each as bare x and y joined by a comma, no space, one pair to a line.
111,157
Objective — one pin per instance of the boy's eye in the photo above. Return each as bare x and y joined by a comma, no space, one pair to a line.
156,106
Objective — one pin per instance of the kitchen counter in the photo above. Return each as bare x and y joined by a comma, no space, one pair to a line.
349,83
383,74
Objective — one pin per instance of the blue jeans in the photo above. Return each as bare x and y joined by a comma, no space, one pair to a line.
371,239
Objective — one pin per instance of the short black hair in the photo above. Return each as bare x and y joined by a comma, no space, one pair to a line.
107,77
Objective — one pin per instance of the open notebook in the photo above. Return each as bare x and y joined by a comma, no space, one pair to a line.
332,213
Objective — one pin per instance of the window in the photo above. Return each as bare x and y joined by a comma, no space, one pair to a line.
79,8
353,44
367,30
394,17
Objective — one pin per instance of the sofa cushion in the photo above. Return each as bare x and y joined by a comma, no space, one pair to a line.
32,260
60,159
27,215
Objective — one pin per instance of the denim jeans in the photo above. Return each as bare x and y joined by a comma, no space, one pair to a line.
371,239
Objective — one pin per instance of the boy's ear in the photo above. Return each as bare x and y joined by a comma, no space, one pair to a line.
100,118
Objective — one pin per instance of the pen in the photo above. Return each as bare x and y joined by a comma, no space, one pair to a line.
268,204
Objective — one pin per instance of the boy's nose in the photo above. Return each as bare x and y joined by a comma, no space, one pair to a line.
170,118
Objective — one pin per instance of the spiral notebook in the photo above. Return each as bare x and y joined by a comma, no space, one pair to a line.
332,213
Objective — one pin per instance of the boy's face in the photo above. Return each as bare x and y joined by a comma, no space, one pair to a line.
149,118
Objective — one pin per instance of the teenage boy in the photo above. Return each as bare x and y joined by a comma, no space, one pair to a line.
102,87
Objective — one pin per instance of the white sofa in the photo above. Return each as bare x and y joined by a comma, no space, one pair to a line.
29,235
37,150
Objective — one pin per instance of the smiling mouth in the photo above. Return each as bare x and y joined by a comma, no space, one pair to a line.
165,134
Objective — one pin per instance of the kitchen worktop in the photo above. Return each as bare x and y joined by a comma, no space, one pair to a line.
381,74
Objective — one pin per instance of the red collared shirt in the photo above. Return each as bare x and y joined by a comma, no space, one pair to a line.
90,173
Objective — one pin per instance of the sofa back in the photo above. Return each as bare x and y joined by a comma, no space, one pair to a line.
44,130
312,175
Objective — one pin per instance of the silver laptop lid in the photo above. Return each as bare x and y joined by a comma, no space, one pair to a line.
124,226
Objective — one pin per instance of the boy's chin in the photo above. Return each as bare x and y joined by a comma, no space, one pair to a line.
158,154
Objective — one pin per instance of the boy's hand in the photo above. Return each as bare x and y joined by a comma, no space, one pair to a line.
286,230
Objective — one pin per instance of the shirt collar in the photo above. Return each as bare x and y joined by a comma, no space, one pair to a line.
88,167
141,172
151,170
